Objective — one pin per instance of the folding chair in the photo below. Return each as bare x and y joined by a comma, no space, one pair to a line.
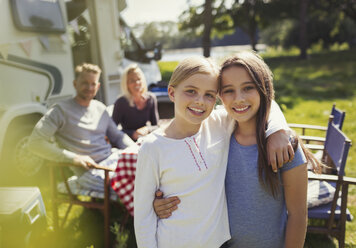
71,197
335,214
338,120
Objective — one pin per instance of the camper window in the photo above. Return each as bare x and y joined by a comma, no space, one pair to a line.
38,15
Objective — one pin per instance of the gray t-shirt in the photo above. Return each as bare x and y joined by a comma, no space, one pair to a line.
69,129
256,218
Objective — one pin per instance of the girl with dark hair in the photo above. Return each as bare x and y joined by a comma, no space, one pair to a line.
266,209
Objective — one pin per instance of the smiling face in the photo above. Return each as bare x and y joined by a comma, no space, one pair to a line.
239,95
135,83
194,98
87,86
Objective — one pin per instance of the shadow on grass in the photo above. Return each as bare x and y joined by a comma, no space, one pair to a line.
323,76
85,230
318,241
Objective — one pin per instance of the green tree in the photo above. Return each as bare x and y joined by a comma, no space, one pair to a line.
256,15
151,35
165,32
303,39
246,14
303,23
345,10
346,6
207,21
298,12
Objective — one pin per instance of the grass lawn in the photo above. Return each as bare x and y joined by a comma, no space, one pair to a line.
305,90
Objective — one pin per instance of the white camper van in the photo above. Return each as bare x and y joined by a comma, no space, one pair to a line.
41,41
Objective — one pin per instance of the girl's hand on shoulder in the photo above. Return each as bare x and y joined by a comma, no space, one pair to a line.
279,149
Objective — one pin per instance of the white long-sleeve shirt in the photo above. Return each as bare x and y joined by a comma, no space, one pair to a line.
193,169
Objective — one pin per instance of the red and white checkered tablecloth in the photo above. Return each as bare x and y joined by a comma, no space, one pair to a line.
124,181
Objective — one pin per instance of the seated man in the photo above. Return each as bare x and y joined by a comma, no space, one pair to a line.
75,130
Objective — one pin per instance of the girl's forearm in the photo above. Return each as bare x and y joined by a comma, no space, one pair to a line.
296,230
276,120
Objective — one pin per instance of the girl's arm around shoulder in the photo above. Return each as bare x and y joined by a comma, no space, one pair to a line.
279,149
276,120
295,183
146,184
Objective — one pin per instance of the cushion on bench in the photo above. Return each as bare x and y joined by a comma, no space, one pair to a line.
323,211
319,193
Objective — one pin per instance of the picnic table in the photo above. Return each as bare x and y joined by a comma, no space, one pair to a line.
124,180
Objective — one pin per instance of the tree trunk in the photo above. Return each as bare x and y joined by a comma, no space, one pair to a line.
254,42
303,28
208,18
252,36
253,31
252,23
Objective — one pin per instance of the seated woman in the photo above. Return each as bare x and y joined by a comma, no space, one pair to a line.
136,110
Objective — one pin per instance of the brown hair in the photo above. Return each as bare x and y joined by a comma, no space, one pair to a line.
263,79
85,67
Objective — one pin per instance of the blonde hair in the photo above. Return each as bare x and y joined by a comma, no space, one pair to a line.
191,66
124,89
86,67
